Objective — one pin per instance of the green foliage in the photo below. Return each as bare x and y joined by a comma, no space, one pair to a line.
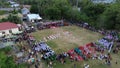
85,3
111,17
72,2
34,9
98,15
29,2
75,15
14,18
6,49
14,11
4,3
8,61
51,9
63,6
2,12
92,11
5,61
53,13
3,20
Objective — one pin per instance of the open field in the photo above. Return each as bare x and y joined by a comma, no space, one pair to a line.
71,37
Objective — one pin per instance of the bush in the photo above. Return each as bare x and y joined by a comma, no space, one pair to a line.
2,12
6,49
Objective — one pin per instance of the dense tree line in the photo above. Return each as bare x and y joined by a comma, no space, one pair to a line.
110,19
99,15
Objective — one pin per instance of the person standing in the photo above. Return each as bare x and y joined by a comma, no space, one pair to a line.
75,66
51,64
36,66
86,66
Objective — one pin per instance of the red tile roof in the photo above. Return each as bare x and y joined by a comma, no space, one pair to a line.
7,25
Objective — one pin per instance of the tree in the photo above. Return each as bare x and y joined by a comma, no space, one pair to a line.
4,3
75,15
84,3
6,49
34,9
14,19
117,1
111,17
3,20
62,5
98,15
2,12
73,2
53,13
44,7
39,6
92,11
8,61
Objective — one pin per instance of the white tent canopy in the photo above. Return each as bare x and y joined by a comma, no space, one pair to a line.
32,17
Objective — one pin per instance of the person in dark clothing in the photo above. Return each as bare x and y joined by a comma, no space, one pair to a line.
116,62
74,65
109,63
36,66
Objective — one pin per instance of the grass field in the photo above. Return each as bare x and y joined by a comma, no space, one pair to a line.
76,37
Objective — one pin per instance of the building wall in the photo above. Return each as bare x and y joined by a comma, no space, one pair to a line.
7,32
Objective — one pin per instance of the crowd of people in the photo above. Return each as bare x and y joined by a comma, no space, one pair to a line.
53,24
40,50
47,54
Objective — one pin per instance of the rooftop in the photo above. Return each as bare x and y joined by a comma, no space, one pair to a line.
7,25
33,16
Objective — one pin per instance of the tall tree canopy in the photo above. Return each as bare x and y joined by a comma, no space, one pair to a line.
14,18
111,17
96,14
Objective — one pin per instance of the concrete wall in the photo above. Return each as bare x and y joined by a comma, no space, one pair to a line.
14,30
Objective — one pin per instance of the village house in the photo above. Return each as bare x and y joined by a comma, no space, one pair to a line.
13,4
33,18
24,12
8,28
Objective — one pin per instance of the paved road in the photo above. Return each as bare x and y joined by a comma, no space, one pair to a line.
9,9
3,45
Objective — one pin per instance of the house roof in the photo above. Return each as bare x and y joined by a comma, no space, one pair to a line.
26,6
103,1
33,16
7,25
25,11
15,5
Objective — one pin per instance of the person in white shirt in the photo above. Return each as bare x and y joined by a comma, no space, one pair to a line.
86,66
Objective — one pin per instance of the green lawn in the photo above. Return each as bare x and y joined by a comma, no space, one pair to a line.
78,37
